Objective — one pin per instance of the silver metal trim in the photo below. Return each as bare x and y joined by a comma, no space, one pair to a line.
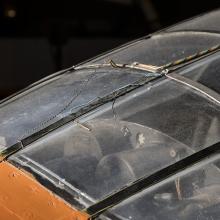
209,93
134,65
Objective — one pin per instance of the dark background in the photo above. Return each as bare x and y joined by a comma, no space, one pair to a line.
38,38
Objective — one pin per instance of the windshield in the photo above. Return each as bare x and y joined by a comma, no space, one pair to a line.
136,135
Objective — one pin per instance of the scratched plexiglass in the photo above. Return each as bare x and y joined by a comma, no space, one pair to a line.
194,194
134,136
51,101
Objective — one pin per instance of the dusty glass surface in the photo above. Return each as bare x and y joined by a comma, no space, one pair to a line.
134,136
192,194
52,101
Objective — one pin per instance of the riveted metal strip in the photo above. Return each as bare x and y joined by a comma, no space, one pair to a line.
10,150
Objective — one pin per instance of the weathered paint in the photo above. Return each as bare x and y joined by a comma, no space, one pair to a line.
23,198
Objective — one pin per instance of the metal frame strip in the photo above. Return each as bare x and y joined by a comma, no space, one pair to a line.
204,90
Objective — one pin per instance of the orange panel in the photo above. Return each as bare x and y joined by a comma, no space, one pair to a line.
23,198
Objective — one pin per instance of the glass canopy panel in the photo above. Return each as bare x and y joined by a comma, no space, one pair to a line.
205,71
134,136
192,194
47,103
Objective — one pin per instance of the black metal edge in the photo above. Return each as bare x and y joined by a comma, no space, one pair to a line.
148,181
11,150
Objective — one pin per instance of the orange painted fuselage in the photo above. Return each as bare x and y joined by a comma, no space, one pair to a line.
23,198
